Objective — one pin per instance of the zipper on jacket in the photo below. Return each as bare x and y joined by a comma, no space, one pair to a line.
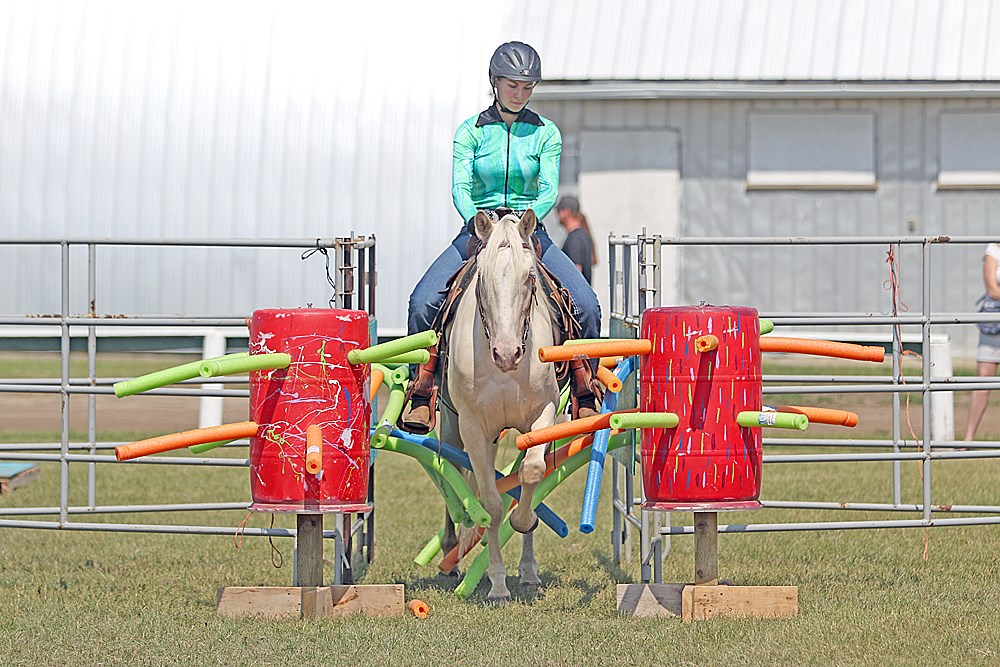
506,171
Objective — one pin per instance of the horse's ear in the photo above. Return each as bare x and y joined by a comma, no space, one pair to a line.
528,223
483,226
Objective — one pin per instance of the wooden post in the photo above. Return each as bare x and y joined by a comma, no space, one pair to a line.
706,548
309,550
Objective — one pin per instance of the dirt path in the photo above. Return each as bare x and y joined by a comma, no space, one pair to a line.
27,413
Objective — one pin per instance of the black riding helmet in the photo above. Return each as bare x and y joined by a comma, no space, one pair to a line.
516,61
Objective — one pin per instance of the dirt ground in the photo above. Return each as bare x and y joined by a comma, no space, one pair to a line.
26,413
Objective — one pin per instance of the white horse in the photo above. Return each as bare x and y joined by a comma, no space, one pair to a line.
494,380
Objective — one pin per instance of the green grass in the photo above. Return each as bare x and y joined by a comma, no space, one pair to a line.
866,597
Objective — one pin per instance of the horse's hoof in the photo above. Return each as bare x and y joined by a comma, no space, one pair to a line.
453,572
498,600
524,532
533,589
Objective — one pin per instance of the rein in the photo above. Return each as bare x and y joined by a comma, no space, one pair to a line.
533,300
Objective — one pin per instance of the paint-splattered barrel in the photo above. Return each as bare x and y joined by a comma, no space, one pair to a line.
319,388
707,457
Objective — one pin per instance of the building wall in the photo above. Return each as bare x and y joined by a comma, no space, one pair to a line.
715,202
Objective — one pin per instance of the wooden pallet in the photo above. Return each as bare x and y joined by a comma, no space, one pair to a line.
13,475
310,598
706,598
311,602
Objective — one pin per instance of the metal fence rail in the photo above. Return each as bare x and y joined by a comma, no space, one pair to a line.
353,286
635,269
635,274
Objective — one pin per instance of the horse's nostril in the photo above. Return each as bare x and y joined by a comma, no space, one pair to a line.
517,356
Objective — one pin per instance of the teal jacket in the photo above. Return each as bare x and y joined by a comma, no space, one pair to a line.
494,166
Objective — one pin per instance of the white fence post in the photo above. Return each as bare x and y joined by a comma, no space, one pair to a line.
942,402
210,409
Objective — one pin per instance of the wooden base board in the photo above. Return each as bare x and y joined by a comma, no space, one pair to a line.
13,475
700,603
311,602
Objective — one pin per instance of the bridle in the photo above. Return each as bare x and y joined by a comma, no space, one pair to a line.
532,301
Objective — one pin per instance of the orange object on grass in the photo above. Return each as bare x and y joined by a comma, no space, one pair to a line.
198,436
609,379
621,348
567,429
419,608
314,449
822,415
376,381
823,348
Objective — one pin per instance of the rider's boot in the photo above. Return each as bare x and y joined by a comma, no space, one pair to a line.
419,416
585,396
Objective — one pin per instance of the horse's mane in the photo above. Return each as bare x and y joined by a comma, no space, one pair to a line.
505,235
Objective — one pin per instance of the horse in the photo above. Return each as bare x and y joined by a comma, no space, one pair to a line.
493,379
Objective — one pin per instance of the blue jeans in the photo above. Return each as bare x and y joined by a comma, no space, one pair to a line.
428,295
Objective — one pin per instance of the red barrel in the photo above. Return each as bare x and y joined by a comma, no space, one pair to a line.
318,388
707,457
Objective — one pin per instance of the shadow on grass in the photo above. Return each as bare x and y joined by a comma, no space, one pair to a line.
615,572
523,594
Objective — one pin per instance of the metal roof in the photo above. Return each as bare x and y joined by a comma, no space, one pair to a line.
763,40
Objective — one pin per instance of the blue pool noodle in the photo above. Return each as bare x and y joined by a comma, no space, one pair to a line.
457,457
595,473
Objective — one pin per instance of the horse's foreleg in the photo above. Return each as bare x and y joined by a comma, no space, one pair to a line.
483,458
523,519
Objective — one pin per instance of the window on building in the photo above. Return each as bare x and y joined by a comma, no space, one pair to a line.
811,151
970,151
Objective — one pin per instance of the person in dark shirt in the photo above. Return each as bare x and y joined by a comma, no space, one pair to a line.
579,244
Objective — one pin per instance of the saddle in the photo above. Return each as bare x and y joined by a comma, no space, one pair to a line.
565,327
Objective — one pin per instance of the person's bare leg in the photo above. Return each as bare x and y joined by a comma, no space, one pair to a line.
980,399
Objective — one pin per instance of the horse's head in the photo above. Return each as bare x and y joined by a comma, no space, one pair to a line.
505,290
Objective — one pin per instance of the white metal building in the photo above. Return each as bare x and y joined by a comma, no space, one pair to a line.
690,118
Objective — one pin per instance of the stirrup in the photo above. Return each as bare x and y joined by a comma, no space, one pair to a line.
585,406
419,415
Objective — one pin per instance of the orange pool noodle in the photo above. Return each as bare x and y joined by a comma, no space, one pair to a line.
314,449
610,362
622,348
376,381
567,429
609,379
822,415
457,553
419,608
198,436
706,343
823,348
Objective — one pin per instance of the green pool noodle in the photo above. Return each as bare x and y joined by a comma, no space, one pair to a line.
385,351
766,327
411,357
390,415
167,376
254,362
450,473
478,567
644,420
584,341
430,550
791,420
201,449
452,502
